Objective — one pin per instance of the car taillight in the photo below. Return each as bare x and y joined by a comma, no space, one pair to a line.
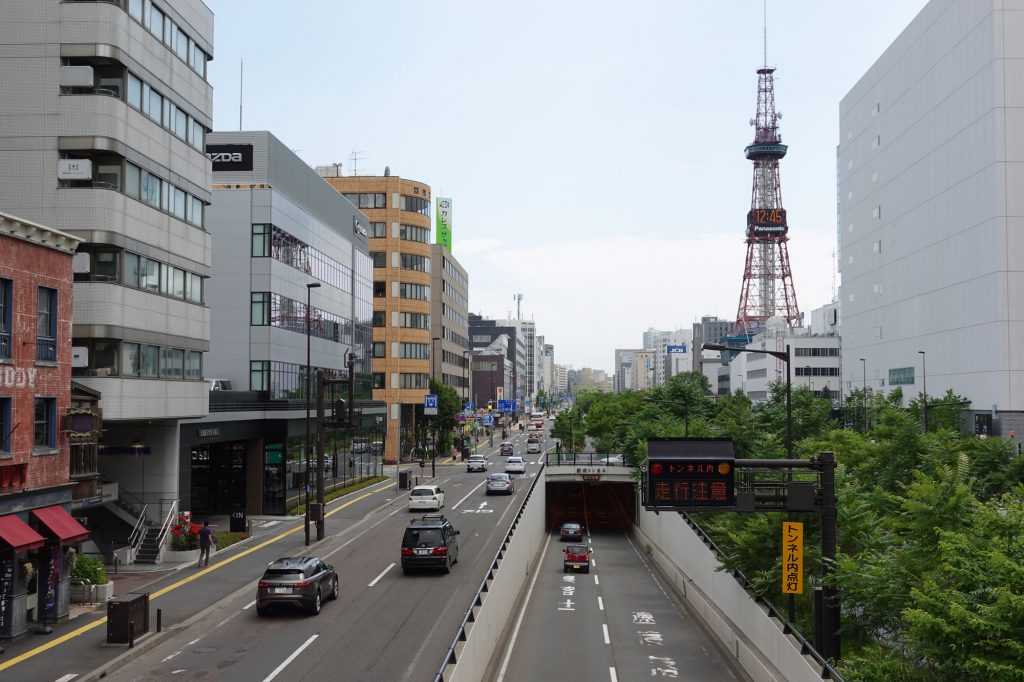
304,583
263,584
407,552
440,551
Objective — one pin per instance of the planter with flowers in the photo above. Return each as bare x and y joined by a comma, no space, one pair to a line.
184,541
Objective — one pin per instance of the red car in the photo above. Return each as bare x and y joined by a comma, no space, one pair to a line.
577,558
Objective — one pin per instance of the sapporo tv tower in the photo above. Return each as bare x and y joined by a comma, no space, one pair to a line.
767,280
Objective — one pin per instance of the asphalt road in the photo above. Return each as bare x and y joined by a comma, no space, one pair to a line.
618,622
384,626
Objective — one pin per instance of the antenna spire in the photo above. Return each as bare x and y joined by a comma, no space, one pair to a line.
241,78
765,26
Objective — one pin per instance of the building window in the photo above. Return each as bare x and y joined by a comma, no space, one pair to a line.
413,262
46,324
5,424
415,381
379,349
379,259
378,380
193,364
411,233
261,241
418,292
414,320
901,376
6,298
415,204
378,230
172,361
415,351
260,309
367,199
45,433
259,375
379,318
380,289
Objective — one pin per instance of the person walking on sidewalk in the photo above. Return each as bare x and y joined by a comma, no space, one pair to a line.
206,538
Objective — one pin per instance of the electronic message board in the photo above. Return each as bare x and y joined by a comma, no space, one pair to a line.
689,473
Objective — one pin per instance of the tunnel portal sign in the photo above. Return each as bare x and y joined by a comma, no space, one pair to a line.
690,473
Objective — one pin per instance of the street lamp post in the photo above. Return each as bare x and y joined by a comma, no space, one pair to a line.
781,355
309,382
924,388
864,389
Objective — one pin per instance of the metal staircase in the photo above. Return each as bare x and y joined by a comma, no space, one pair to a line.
149,548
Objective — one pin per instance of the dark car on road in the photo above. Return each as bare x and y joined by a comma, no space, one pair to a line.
305,582
500,483
571,531
577,558
430,542
506,448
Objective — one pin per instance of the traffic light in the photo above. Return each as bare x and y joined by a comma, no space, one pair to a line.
490,404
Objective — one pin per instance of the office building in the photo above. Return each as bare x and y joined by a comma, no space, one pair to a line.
928,211
449,320
483,332
398,210
282,240
105,112
625,359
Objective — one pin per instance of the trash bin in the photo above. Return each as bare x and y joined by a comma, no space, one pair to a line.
239,521
403,480
124,612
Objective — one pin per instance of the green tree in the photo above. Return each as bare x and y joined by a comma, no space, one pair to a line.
439,428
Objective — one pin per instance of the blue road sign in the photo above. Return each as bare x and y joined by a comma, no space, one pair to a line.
488,420
506,406
430,404
470,406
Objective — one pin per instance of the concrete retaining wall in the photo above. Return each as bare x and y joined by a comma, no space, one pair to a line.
505,582
742,626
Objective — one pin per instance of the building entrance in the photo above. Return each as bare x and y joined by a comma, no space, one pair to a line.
218,477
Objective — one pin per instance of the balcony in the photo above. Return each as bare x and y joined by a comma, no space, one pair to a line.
46,348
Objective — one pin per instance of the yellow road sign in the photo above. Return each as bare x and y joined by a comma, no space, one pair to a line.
792,557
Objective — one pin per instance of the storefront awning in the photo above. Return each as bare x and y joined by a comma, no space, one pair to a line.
62,524
18,534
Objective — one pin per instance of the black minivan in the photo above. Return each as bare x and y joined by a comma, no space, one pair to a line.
429,542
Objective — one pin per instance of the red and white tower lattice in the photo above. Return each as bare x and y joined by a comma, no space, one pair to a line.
767,280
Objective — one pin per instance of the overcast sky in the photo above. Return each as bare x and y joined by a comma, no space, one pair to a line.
593,150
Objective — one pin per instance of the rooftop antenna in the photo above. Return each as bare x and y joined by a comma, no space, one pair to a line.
765,25
241,80
353,161
518,299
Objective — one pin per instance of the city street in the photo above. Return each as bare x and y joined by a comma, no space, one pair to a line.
385,625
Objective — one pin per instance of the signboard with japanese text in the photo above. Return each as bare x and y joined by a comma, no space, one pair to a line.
792,557
430,404
689,473
443,219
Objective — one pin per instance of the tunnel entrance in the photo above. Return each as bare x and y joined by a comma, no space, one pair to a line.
600,506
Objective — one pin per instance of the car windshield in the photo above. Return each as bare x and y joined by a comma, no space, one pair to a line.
576,549
422,537
422,492
571,526
498,477
282,572
515,460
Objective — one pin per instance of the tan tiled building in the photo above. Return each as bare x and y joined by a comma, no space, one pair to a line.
399,214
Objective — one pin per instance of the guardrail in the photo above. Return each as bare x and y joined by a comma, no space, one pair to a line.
806,648
462,634
585,459
135,538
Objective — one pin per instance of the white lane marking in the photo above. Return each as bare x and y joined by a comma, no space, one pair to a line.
382,574
249,605
164,660
593,562
179,670
456,505
67,678
291,658
597,580
193,641
604,627
268,524
224,622
522,612
600,602
612,675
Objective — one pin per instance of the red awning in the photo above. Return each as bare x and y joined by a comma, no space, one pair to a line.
62,524
18,534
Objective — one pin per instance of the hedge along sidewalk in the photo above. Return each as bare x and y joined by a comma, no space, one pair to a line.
341,492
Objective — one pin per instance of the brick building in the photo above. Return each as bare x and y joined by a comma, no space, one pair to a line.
35,397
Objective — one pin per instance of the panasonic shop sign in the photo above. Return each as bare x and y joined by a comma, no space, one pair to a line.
230,157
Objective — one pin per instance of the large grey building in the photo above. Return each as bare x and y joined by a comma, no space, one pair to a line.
449,319
283,239
105,110
929,164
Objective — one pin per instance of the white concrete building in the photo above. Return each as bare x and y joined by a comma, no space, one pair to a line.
930,209
105,111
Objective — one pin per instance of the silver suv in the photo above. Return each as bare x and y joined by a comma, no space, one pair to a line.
302,581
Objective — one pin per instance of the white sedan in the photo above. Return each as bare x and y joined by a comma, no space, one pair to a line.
515,465
428,497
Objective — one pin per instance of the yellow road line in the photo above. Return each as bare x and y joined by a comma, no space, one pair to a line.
100,621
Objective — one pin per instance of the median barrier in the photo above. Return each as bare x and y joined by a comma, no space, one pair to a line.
480,635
